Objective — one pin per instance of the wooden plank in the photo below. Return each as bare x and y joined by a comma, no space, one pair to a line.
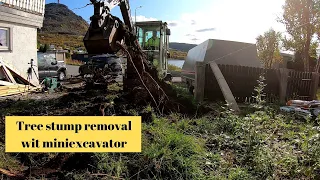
300,89
5,83
7,72
224,87
12,86
12,93
314,86
284,73
11,72
200,81
13,90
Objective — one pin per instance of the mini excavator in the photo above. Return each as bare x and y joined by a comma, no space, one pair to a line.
107,33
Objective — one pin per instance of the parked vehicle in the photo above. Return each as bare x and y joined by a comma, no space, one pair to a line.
48,66
109,63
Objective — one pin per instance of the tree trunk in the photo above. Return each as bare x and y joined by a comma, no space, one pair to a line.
306,56
316,69
308,37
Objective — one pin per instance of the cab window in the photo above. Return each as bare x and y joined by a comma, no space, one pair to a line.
145,33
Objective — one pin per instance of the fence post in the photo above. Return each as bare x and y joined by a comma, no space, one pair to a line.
224,87
200,81
284,74
314,85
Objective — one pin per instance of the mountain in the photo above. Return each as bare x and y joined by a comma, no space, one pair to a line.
181,46
63,28
60,19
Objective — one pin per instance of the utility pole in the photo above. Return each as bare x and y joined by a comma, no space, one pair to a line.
135,14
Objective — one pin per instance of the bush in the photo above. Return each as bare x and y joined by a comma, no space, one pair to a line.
174,68
68,55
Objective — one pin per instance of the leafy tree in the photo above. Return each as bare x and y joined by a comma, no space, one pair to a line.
38,45
301,18
298,63
41,48
45,48
268,46
68,55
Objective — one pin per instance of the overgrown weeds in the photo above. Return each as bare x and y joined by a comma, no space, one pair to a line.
261,144
73,62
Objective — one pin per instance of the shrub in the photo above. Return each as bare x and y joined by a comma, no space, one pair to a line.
174,68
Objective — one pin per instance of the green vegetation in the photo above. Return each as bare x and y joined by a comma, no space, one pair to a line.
260,144
175,54
301,19
268,46
43,48
61,40
8,162
174,68
73,62
301,27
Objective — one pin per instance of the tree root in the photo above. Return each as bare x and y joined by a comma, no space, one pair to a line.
162,95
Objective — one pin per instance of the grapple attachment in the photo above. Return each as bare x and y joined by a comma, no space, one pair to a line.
101,39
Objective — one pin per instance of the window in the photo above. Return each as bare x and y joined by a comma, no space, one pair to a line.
145,33
149,34
140,36
5,44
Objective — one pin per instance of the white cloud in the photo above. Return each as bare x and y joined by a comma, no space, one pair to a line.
141,18
232,20
228,20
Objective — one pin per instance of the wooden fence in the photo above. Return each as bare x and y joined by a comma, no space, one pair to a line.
281,84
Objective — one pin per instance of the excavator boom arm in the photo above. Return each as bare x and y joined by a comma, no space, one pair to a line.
125,10
105,30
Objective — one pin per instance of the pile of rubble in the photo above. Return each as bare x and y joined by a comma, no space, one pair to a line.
305,109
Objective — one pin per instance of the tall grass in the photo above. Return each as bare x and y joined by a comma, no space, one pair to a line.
73,62
262,144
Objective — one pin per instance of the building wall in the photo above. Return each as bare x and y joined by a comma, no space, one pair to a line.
24,48
23,24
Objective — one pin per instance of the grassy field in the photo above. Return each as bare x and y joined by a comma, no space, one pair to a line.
61,40
259,143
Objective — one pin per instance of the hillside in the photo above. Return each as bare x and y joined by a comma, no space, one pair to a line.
62,27
182,46
60,19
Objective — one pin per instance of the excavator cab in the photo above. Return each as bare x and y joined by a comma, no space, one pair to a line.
153,37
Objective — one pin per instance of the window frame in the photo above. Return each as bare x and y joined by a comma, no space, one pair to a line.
9,39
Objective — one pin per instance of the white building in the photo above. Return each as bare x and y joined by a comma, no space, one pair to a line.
19,20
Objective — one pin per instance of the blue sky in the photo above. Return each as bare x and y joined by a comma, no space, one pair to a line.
194,21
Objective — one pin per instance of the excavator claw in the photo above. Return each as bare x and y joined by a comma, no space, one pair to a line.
108,34
102,39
